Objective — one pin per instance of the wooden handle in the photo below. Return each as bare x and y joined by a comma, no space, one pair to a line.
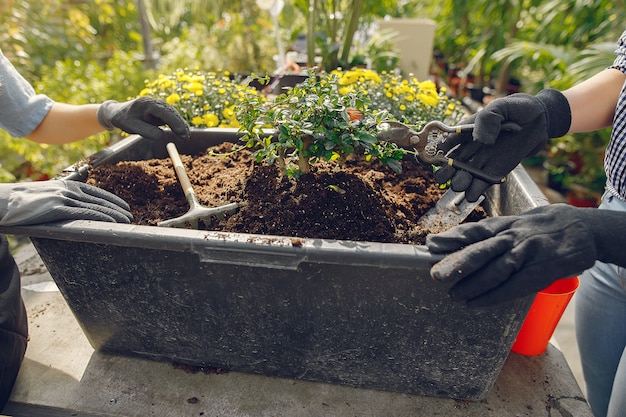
179,168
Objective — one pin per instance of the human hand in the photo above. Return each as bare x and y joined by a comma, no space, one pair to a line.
143,116
48,201
497,151
501,258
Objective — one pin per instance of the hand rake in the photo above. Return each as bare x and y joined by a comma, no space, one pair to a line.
196,210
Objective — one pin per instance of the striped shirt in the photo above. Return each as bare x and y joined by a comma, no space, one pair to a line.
615,158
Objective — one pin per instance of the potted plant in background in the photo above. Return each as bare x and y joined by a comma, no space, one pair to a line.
204,99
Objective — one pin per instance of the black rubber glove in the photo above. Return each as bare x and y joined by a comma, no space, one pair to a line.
546,115
48,201
143,116
501,258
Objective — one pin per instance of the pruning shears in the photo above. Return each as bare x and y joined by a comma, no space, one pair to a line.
426,143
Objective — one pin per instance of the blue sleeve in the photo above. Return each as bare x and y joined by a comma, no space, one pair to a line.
620,59
21,110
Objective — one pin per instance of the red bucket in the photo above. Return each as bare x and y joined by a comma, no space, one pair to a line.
543,317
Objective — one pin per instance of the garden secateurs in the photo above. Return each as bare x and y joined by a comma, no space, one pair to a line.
426,143
452,208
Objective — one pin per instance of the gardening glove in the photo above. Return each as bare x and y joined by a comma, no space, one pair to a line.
143,116
48,201
497,152
501,258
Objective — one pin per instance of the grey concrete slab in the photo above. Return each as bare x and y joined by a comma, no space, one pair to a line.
62,371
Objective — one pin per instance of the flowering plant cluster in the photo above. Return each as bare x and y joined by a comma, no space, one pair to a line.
204,99
408,100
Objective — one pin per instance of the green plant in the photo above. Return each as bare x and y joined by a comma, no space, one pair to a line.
330,115
236,36
533,41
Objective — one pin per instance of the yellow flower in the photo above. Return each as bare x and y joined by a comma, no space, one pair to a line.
428,85
193,87
172,99
428,98
213,99
346,90
228,113
210,119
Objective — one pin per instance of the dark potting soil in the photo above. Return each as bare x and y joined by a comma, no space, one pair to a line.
362,201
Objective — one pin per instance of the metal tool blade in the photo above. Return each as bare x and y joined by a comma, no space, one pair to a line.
451,209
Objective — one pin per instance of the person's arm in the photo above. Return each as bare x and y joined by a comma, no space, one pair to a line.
66,123
23,113
587,106
593,101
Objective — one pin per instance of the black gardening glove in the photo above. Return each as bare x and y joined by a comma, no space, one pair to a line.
501,258
48,201
143,116
546,115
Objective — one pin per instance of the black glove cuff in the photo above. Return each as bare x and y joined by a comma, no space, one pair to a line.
558,112
609,234
102,114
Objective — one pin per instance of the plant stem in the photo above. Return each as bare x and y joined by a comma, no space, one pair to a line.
282,165
303,164
353,24
310,39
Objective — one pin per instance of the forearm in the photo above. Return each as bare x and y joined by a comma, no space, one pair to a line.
66,123
593,101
